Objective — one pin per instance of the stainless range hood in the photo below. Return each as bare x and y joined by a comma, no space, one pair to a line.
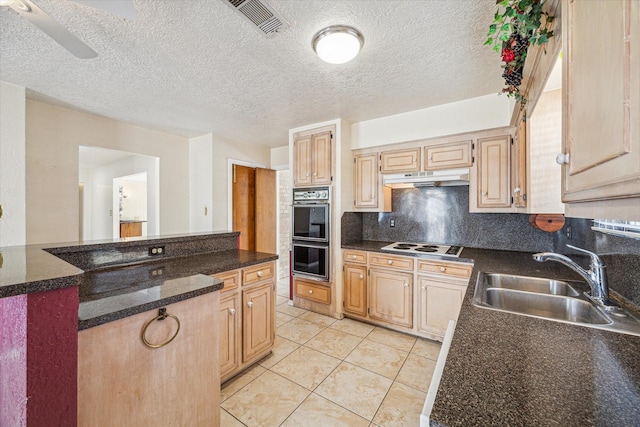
428,179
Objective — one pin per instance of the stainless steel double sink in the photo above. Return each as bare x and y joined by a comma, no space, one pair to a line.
556,300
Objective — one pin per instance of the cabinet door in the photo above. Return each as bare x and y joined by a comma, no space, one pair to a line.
258,320
302,161
519,167
601,99
391,297
366,181
229,338
122,382
446,156
321,158
439,303
312,291
355,289
493,172
400,161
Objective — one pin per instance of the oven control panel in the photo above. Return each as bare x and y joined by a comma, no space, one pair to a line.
311,194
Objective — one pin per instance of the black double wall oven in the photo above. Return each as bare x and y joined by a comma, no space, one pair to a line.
311,232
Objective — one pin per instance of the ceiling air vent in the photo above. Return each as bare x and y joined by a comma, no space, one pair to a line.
260,14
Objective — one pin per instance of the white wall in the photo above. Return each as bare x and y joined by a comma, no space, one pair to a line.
485,112
12,165
201,183
280,158
53,135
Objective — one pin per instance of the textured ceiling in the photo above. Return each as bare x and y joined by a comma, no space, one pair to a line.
191,67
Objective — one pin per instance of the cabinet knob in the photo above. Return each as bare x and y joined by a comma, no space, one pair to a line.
424,288
310,291
307,175
430,157
259,273
232,311
516,190
406,285
250,304
443,269
562,159
390,262
361,276
315,174
354,257
484,194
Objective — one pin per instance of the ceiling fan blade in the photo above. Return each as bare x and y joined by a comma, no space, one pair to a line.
121,8
53,29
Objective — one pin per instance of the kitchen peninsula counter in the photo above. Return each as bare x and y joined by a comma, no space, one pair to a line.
115,292
506,369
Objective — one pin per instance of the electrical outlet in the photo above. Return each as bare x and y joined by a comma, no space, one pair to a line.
156,272
156,250
392,223
568,232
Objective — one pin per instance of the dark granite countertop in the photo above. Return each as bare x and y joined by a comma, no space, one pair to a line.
119,277
508,370
27,269
115,292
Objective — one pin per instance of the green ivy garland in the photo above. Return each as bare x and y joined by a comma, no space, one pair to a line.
520,24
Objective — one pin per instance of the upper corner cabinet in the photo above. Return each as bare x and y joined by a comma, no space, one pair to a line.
312,159
601,100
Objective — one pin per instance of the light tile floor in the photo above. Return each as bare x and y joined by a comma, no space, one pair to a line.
328,372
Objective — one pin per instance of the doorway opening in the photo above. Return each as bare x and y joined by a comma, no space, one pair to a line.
99,194
253,193
130,201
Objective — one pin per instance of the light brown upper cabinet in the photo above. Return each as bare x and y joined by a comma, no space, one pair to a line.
367,188
519,166
448,156
312,159
601,103
398,161
493,169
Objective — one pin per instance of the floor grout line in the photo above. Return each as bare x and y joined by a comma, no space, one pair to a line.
341,360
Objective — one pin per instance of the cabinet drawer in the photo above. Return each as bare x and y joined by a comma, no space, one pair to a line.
445,268
257,273
312,291
450,155
357,257
402,263
400,161
231,279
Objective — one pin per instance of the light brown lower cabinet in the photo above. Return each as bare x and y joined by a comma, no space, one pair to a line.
439,303
355,289
122,382
230,328
413,295
391,296
247,317
258,319
312,290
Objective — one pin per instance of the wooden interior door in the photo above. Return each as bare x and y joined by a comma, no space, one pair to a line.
255,208
265,211
244,205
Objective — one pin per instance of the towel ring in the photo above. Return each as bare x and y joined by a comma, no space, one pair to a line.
162,314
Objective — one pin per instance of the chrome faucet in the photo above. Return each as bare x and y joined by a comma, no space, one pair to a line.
596,277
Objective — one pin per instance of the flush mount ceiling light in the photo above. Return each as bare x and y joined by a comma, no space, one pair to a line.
337,44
